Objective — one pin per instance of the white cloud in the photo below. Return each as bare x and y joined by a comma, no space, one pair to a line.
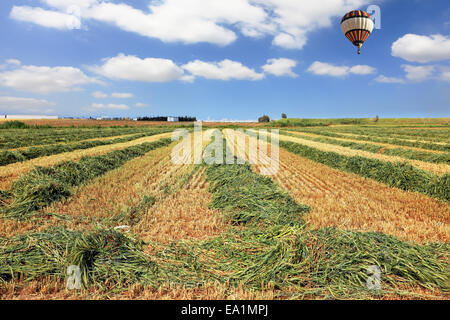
327,69
423,49
362,70
125,67
295,19
111,106
46,18
280,67
418,73
223,70
384,79
288,41
99,95
45,79
120,95
117,95
188,21
445,74
140,105
214,21
13,62
187,78
27,105
67,4
10,63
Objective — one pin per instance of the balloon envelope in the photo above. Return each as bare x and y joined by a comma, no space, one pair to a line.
357,26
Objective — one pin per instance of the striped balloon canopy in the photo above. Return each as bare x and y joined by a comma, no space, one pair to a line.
357,26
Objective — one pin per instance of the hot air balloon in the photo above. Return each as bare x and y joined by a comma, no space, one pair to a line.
357,26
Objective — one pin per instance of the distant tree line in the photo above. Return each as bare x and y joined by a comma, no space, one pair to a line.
180,119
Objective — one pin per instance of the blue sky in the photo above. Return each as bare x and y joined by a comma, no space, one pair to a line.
235,59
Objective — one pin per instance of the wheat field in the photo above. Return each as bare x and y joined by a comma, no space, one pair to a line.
142,227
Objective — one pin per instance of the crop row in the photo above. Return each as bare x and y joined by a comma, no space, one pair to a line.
45,185
395,141
18,138
399,175
403,133
403,153
271,247
13,156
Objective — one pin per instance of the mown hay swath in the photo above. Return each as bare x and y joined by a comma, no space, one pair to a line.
45,185
399,175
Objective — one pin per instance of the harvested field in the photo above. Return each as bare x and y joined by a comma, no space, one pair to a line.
11,172
385,145
351,202
430,167
181,216
141,227
348,201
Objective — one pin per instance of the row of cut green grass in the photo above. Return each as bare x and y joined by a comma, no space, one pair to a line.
18,138
366,138
399,175
267,245
45,185
373,148
13,156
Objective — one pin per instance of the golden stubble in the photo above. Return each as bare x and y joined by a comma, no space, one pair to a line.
13,171
385,145
352,202
436,168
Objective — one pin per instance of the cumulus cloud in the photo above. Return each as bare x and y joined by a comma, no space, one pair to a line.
194,21
423,49
295,19
223,70
99,95
123,67
121,95
384,79
28,105
117,95
46,18
327,69
10,63
44,79
362,70
140,105
418,73
445,74
280,67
